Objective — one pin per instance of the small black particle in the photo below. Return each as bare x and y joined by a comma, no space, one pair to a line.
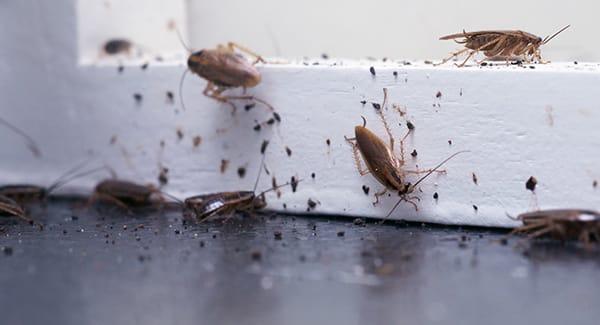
462,245
376,106
196,141
256,255
144,66
137,97
313,175
177,232
474,178
294,183
120,69
311,204
475,208
179,133
372,69
170,97
8,251
74,218
414,153
324,56
449,142
436,196
366,189
249,106
163,177
277,235
410,125
395,73
363,102
202,243
340,234
503,241
214,236
328,142
285,206
277,117
438,95
263,147
288,151
257,127
531,183
595,184
241,172
271,121
531,67
575,62
483,64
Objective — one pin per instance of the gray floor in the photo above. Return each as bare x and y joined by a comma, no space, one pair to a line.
104,267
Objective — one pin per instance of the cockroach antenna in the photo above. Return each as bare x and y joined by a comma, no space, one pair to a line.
189,50
413,186
262,164
549,38
31,145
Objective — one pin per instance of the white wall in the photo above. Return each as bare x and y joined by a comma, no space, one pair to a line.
392,28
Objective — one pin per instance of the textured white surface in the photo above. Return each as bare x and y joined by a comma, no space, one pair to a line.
517,122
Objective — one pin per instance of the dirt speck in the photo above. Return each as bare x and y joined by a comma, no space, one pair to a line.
241,171
224,165
196,141
531,183
366,189
474,176
372,70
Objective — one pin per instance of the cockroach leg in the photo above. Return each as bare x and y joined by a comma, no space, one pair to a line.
233,46
214,92
378,194
452,56
356,154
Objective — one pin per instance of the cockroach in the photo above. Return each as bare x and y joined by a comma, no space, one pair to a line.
501,45
31,145
562,224
10,208
383,164
126,194
25,193
226,203
224,68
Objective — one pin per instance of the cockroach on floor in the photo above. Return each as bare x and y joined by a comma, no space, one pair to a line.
25,193
226,203
126,194
563,224
224,68
31,145
500,45
383,164
10,208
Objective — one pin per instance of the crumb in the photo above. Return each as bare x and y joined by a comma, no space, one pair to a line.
372,70
438,95
138,97
224,165
197,140
414,153
475,208
340,234
366,189
294,183
241,172
436,196
474,178
531,183
288,151
170,97
263,146
410,125
249,106
144,66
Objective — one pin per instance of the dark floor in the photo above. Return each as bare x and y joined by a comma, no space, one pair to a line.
104,267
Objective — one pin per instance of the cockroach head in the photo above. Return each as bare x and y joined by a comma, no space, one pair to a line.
195,59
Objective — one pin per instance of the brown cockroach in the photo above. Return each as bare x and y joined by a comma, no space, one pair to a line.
24,193
500,45
224,68
126,194
10,208
226,203
383,164
31,145
562,224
